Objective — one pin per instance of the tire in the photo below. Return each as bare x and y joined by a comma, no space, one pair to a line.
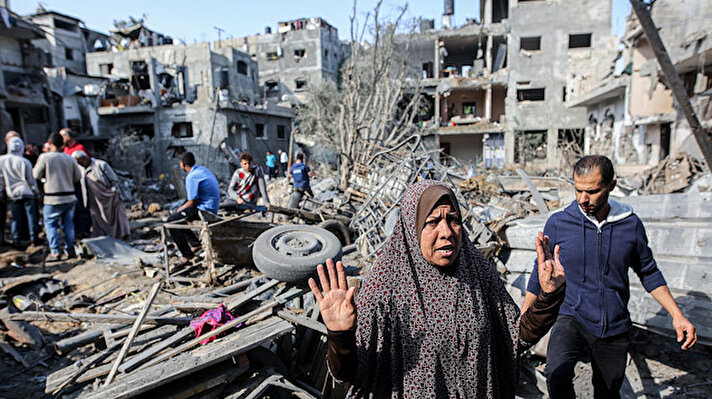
291,253
338,229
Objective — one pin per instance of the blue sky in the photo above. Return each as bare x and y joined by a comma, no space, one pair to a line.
194,21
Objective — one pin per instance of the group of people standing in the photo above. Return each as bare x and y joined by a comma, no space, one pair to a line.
247,185
434,320
63,178
274,169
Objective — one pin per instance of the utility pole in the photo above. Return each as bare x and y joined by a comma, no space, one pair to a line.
642,11
220,31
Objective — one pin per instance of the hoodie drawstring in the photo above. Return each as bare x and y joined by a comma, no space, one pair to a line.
583,248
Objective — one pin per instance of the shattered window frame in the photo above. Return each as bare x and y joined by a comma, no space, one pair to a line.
271,56
35,115
260,131
580,40
299,54
139,130
301,84
242,68
535,145
105,69
531,94
182,130
530,43
469,108
64,25
281,132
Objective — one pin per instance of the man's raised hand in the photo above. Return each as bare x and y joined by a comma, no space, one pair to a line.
551,271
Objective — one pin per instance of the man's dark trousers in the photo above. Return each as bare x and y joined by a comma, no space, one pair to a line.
185,239
569,342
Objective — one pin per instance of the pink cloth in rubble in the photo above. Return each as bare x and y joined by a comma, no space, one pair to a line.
215,318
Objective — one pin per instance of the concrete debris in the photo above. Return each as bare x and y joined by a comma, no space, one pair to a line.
79,330
107,249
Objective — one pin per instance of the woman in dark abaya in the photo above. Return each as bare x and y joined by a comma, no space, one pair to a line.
433,319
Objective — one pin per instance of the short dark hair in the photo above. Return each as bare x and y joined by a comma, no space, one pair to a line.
586,165
56,140
245,156
300,157
68,131
188,159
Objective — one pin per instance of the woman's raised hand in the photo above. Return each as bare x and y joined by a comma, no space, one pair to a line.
336,304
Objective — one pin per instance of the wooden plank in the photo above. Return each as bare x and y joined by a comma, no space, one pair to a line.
536,195
7,348
302,321
84,374
69,344
200,383
84,367
96,318
208,261
134,330
225,327
187,332
9,283
188,363
18,330
251,295
164,241
233,288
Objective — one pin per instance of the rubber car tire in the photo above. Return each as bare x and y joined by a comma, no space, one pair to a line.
339,229
293,269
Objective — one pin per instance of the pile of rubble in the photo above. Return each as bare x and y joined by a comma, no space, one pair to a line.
124,321
117,337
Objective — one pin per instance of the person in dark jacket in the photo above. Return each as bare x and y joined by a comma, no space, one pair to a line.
300,174
600,239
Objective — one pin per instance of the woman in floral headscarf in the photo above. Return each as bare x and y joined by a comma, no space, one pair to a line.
433,319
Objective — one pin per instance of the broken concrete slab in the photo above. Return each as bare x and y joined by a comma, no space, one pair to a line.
111,250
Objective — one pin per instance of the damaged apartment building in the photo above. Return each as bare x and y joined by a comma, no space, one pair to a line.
301,52
168,99
26,103
65,42
631,115
498,87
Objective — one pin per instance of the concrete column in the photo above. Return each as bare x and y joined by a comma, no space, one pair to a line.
436,50
587,133
437,108
509,144
153,79
552,144
488,54
653,137
488,102
488,12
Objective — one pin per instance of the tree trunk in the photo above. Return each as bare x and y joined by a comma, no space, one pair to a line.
345,169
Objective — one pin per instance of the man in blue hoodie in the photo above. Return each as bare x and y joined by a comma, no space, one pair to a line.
599,239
